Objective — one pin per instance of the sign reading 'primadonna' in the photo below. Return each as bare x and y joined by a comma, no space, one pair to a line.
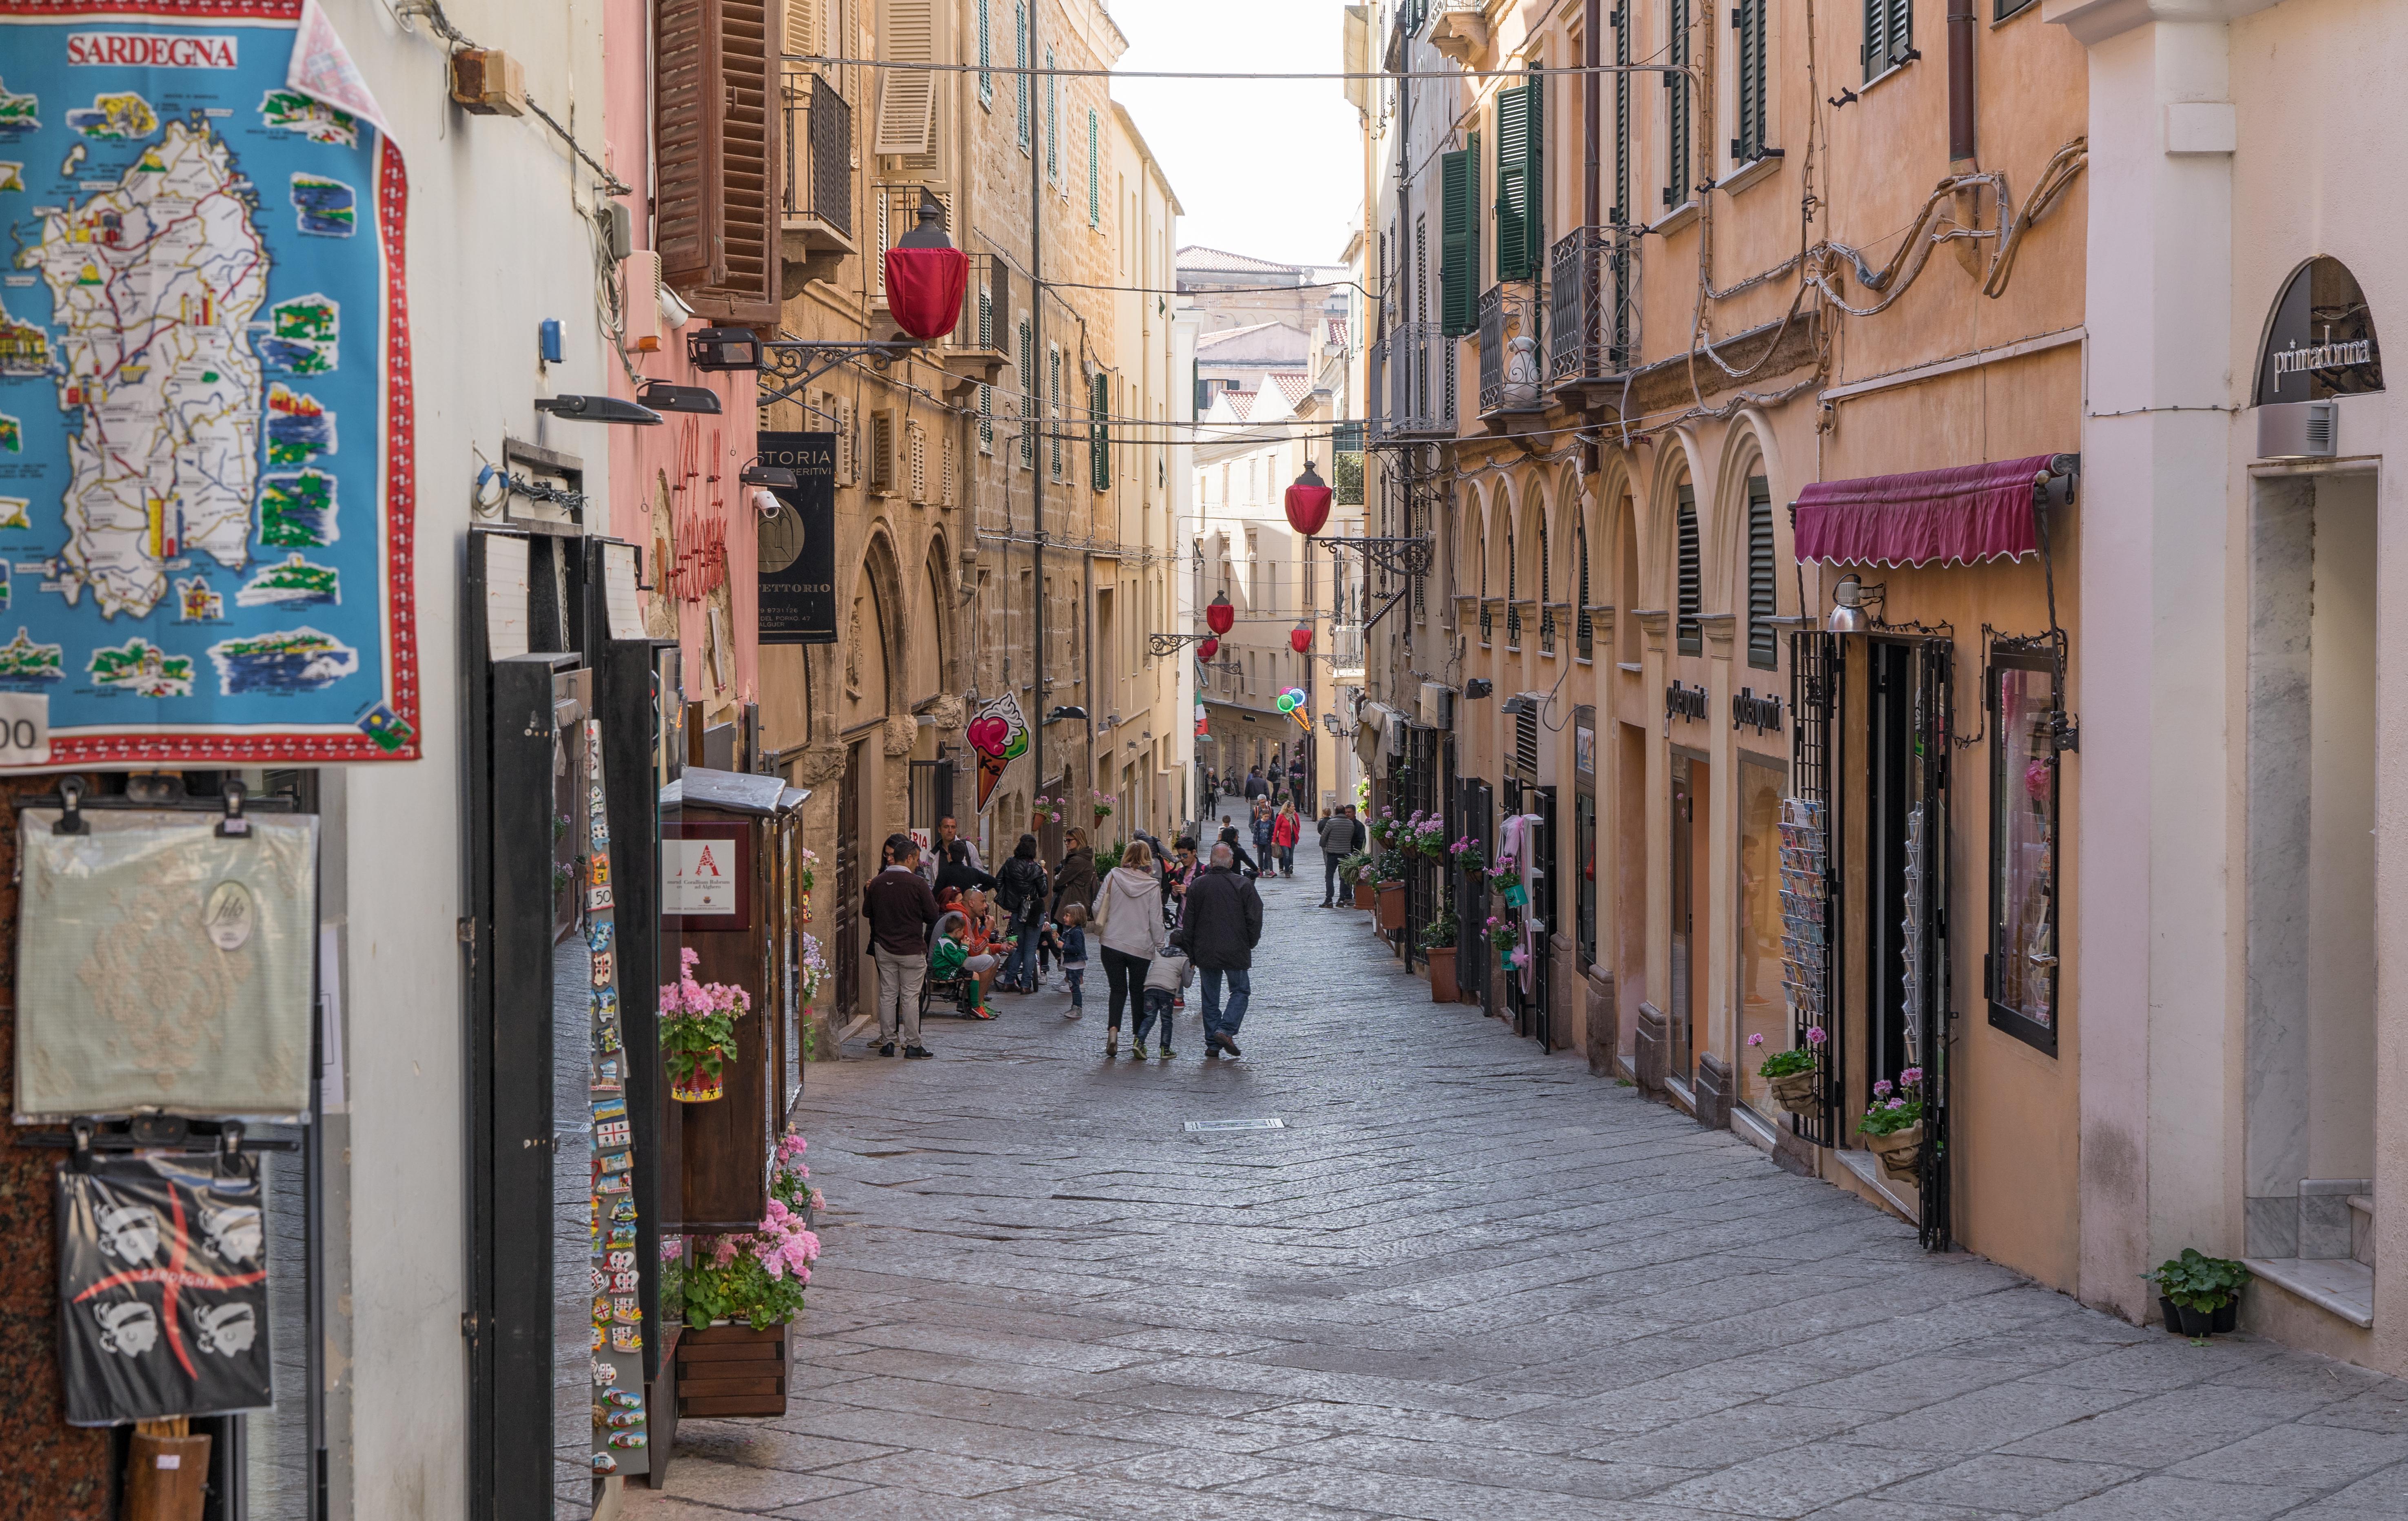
205,403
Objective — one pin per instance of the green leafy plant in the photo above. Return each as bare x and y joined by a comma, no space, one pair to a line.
699,1021
2195,1281
1390,865
1354,867
1788,1063
756,1278
1109,856
1440,932
1896,1106
1503,933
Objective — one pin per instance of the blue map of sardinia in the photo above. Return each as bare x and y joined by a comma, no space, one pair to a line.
191,381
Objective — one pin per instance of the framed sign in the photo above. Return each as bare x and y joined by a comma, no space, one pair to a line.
206,512
707,875
797,573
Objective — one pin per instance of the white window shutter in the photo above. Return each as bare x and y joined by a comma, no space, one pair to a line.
906,97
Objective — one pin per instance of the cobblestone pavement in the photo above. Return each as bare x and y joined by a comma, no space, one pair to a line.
1466,1281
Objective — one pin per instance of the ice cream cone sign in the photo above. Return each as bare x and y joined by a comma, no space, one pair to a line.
999,737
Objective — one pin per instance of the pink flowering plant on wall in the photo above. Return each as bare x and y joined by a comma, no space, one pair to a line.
1426,835
1896,1106
1785,1063
698,1022
757,1277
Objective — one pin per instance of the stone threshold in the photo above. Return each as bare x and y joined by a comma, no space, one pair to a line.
2339,1285
1867,1169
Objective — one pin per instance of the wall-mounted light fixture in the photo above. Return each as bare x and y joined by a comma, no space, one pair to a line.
596,409
1849,599
724,348
661,396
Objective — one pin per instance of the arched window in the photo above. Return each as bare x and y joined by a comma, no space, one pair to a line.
1689,574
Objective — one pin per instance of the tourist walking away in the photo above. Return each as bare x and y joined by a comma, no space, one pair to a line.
1019,891
1295,781
1219,931
1237,847
901,911
1255,786
1266,826
1341,835
1129,926
1284,832
1165,977
1074,880
1071,924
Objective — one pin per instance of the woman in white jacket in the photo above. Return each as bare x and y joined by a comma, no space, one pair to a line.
1128,921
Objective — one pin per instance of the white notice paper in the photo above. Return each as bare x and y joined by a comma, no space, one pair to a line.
618,591
24,728
506,595
697,876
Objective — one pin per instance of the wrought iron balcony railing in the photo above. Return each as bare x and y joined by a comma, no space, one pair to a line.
1510,357
818,191
1546,630
1592,306
1512,625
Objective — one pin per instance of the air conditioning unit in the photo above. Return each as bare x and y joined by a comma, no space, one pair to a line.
1534,748
2299,430
1438,706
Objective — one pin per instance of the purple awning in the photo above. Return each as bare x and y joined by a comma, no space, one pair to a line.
1964,514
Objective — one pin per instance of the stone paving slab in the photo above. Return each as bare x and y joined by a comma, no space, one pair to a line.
1467,1281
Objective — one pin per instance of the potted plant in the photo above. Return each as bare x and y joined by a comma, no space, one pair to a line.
698,1031
1388,868
1045,810
2198,1294
1468,855
738,1294
1104,802
1355,872
1425,835
1437,943
1893,1126
1791,1074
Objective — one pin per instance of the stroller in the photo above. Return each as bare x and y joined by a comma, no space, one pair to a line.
961,991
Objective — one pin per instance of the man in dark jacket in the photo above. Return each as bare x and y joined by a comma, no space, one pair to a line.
901,911
1341,835
1255,786
1223,920
1295,781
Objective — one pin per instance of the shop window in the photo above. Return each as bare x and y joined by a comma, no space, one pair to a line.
1763,599
1690,588
1763,1008
2022,970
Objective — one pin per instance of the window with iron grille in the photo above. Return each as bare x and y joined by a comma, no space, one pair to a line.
986,56
1763,601
1747,24
1690,631
1678,167
1020,61
1584,627
1889,35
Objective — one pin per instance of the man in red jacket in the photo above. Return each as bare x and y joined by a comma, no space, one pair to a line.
901,911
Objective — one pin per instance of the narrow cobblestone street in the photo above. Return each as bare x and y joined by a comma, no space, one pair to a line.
1465,1280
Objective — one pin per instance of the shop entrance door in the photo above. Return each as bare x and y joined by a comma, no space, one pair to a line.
1474,808
1681,1016
1538,1004
848,886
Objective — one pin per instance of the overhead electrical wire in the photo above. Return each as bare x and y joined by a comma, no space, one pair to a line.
914,66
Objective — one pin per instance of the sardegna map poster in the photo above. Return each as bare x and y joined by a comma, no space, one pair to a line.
205,405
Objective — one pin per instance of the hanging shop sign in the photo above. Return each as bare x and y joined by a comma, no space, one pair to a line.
163,1287
162,965
999,735
2320,341
797,575
206,535
1681,702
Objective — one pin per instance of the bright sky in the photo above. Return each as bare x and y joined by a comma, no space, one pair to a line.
1273,168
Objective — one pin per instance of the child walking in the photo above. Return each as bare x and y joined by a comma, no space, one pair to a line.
1166,976
1073,940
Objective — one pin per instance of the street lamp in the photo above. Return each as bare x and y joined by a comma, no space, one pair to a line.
1308,503
1220,617
1848,599
1301,637
926,276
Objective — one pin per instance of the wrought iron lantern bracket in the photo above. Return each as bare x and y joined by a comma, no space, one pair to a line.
789,364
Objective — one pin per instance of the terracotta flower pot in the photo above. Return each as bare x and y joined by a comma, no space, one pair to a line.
732,1371
1796,1092
698,1086
1441,965
1366,895
1899,1151
1392,905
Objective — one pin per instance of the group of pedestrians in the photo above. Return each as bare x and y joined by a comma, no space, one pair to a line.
1277,786
1159,917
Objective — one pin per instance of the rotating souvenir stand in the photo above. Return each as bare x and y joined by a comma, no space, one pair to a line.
161,1202
1805,917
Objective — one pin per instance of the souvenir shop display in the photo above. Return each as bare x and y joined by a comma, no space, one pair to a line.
1805,910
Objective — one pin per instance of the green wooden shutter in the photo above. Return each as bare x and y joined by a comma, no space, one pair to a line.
1690,588
1027,392
1020,61
1889,32
1052,124
1763,604
1099,432
1534,173
1679,158
1459,259
1747,18
1095,173
1513,183
986,56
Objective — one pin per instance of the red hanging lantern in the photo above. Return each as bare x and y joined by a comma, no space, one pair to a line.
926,276
1301,637
1209,649
1308,503
1221,618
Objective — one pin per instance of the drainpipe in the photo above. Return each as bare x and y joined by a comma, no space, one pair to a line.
1960,82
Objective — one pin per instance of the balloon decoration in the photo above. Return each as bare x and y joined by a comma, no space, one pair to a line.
1287,701
1293,703
1209,649
1308,503
999,735
1301,637
1220,617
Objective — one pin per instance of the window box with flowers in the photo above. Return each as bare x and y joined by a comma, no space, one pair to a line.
1791,1074
1892,1128
737,1295
698,1031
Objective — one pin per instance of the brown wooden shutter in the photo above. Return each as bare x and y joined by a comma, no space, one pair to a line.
717,150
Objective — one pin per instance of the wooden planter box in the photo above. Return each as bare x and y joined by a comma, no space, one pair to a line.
732,1371
1366,895
1441,965
1392,905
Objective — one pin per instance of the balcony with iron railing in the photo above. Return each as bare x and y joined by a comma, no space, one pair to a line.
1458,29
1412,383
816,211
1593,310
1346,652
1509,350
